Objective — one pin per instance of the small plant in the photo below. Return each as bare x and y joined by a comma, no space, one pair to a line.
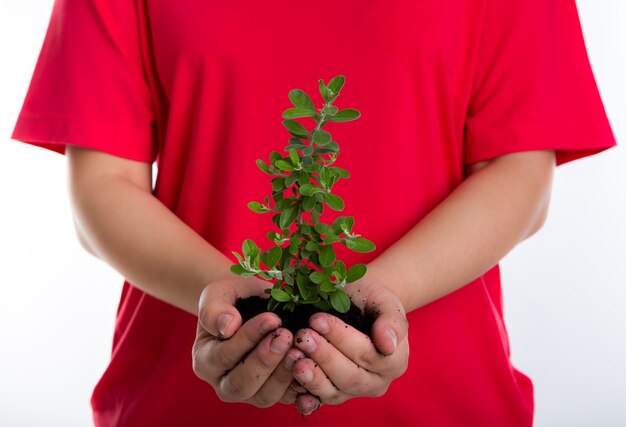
303,264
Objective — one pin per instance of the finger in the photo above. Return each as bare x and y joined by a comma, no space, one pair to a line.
310,375
280,386
216,310
222,356
216,307
340,373
391,325
354,344
246,379
307,404
294,389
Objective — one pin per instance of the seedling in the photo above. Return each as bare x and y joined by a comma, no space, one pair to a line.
303,265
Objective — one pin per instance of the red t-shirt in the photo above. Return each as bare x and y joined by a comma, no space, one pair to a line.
199,87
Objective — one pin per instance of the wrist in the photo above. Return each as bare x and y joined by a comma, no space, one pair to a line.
380,274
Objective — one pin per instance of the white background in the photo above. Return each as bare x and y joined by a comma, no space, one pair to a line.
565,299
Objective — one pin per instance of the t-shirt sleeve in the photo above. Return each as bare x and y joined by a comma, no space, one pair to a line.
533,87
89,87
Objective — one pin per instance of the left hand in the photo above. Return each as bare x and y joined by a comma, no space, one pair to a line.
343,363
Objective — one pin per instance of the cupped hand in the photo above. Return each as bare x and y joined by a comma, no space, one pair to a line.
342,363
223,343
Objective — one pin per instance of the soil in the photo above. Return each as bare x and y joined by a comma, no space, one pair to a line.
294,321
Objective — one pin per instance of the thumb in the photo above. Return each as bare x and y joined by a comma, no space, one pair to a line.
391,326
216,309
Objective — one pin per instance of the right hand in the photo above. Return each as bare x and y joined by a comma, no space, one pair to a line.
223,344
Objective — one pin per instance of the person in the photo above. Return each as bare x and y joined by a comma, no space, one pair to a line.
467,107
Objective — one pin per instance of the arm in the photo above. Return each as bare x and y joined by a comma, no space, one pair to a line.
501,203
119,221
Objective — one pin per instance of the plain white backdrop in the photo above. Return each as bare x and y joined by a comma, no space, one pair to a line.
564,289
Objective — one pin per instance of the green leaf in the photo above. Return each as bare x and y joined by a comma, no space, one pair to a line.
311,300
295,159
330,110
296,143
318,277
321,137
331,238
288,279
346,115
241,271
288,216
328,287
324,150
356,272
274,255
342,173
312,246
290,306
309,189
295,128
343,222
315,167
308,203
239,257
327,95
273,236
300,99
278,184
296,113
263,166
324,229
238,269
324,177
359,244
293,245
315,217
307,151
250,249
336,83
333,201
302,281
333,147
272,304
304,178
340,301
284,165
327,255
291,179
341,268
276,219
280,295
275,155
257,207
322,305
283,204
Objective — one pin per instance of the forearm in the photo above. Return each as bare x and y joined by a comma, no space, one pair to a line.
131,230
470,231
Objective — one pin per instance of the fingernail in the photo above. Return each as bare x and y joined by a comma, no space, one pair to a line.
392,337
320,324
289,361
222,323
267,326
279,345
305,376
306,343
